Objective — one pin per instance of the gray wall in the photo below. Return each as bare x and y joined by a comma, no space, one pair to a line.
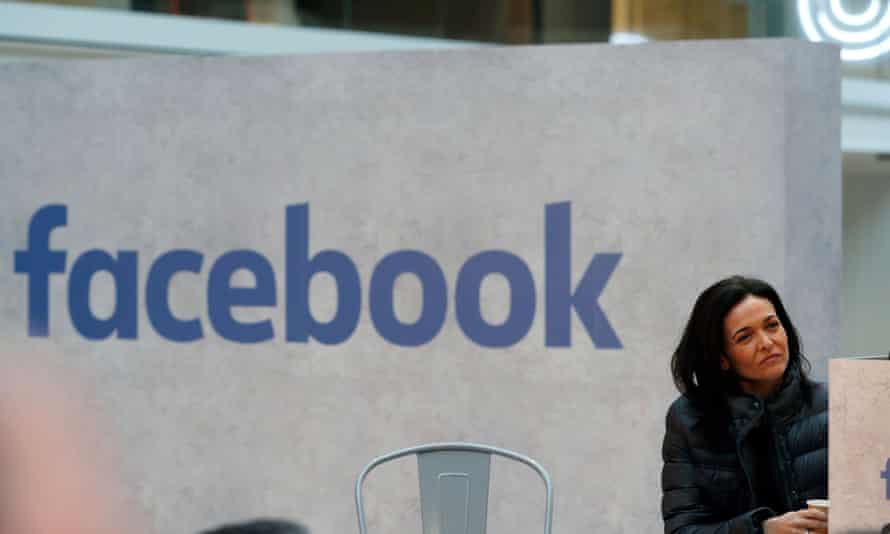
866,230
692,160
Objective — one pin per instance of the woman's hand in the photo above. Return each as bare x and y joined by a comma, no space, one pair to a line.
799,522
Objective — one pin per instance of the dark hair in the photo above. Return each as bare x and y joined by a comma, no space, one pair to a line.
260,526
696,362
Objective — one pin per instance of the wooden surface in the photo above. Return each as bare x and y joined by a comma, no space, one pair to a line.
681,19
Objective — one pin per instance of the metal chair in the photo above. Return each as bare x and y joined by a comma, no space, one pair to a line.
454,486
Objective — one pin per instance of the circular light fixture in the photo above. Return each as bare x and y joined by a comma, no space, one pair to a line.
862,35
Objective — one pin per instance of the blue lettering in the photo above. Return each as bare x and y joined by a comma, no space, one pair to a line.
300,324
560,299
38,261
522,299
157,295
435,298
222,297
124,320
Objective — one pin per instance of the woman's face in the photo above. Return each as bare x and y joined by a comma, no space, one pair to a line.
756,345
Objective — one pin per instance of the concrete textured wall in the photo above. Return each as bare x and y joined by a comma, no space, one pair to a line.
813,224
859,446
692,160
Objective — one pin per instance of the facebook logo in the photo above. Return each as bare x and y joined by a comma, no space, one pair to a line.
563,299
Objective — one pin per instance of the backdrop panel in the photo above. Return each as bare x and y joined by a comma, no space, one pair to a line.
493,245
859,453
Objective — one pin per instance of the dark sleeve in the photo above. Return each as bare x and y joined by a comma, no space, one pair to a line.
683,506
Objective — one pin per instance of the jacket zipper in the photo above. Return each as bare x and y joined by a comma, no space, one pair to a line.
740,451
782,463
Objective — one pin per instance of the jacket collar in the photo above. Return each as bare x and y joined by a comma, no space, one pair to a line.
782,405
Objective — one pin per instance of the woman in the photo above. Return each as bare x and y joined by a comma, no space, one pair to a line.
746,442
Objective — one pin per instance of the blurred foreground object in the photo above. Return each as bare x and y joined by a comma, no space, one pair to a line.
260,526
51,471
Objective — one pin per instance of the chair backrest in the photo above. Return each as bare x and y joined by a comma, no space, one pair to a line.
454,486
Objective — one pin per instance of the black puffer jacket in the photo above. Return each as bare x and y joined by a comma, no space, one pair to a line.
707,476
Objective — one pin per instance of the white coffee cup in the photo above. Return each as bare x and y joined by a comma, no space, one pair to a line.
818,504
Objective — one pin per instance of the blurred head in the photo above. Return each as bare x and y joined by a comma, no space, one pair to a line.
260,526
739,338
